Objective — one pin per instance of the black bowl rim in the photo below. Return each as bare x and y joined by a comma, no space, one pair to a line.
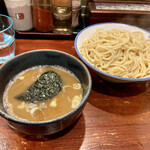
9,118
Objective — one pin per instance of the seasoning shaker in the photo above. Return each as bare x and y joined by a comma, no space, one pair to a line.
76,13
42,15
21,14
62,16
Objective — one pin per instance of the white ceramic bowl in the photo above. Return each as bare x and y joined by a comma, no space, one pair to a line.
88,31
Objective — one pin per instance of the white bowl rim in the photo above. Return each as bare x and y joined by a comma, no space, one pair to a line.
104,73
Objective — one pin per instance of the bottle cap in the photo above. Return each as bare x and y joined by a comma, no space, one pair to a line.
76,4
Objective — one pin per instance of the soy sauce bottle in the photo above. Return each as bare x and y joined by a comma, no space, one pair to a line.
62,16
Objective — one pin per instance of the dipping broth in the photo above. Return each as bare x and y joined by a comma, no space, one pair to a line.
65,101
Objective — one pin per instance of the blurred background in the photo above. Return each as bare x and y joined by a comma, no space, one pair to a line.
84,13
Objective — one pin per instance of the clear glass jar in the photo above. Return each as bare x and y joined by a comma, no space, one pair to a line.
62,16
42,15
76,13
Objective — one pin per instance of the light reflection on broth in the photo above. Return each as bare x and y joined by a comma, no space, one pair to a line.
64,102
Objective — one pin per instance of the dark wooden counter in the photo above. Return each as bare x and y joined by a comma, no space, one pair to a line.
116,117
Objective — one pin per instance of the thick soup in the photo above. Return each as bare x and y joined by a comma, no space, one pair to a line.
67,99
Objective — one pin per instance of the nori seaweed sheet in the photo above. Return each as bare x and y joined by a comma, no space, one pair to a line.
45,87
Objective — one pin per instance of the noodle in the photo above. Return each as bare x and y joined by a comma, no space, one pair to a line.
118,52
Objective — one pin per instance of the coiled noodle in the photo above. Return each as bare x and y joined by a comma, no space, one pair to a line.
118,52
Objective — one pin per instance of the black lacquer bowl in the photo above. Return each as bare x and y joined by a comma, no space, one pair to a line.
44,57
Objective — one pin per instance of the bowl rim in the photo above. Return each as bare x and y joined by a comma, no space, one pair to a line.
99,71
69,114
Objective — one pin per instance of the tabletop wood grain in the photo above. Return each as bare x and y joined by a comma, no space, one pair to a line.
116,116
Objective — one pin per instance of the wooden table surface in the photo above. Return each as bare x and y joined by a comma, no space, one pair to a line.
116,116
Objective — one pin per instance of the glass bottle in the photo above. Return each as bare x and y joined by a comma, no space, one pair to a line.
62,16
42,15
76,13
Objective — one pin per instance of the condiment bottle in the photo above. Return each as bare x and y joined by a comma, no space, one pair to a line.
21,14
62,16
42,15
76,13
